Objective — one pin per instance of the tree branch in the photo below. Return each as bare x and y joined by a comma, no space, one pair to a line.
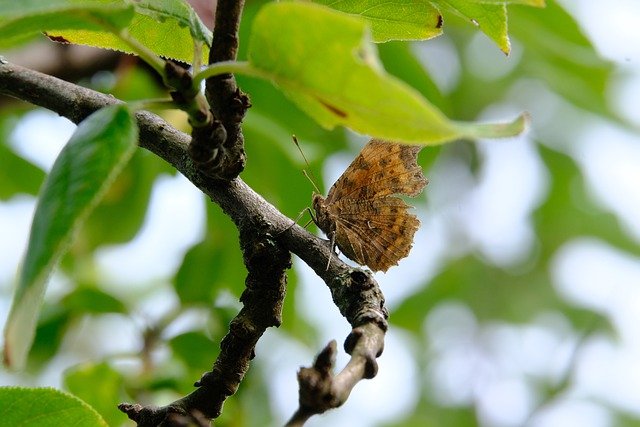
219,149
320,390
353,290
263,297
224,48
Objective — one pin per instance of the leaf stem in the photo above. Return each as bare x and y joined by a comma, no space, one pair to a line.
474,130
142,51
226,67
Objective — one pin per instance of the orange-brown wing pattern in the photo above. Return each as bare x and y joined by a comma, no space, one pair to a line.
375,233
361,214
381,169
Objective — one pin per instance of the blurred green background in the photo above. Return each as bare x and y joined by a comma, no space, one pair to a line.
517,306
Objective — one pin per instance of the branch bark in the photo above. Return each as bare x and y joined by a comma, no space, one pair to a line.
267,262
219,149
320,390
353,290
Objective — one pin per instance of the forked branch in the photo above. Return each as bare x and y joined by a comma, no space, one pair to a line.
354,291
320,390
266,262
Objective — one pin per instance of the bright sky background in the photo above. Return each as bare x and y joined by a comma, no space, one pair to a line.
587,272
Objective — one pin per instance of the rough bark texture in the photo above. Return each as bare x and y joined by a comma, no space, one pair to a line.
218,150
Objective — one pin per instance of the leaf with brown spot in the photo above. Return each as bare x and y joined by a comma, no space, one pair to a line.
335,110
58,39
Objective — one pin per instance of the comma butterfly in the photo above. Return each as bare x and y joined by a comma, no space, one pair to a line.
362,216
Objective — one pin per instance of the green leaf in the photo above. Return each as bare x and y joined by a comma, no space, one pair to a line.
534,3
20,19
100,386
34,407
130,192
210,267
324,62
179,11
89,300
393,20
559,54
95,154
167,27
195,349
52,326
17,175
491,18
570,198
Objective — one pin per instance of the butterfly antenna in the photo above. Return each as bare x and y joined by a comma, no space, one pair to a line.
304,171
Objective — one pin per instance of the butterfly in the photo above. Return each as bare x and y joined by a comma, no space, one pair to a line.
361,214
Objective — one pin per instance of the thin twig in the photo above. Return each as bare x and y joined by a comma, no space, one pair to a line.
320,390
224,47
219,152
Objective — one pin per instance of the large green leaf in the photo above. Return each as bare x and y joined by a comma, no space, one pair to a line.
535,3
324,62
95,154
19,19
393,20
34,407
132,188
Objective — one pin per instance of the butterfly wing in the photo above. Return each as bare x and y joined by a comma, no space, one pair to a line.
377,233
368,223
381,169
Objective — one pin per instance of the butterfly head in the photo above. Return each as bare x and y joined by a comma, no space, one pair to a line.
322,219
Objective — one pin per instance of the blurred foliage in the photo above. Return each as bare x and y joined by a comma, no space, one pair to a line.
548,47
98,385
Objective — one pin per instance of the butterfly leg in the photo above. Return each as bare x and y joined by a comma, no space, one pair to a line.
313,218
295,221
332,245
